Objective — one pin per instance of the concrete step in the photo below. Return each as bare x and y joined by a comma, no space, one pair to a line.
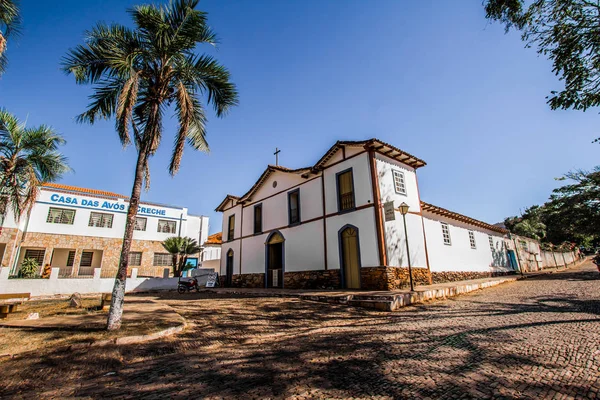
378,297
381,305
395,301
343,299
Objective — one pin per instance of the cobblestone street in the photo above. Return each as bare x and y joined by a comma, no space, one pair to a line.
535,338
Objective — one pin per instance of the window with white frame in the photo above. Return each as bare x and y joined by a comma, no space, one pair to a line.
446,234
399,183
472,239
135,258
165,226
101,220
60,216
491,239
140,223
163,260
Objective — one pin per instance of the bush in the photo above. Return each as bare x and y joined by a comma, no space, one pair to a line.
29,268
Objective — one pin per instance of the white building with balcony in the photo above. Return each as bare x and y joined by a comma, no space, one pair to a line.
78,229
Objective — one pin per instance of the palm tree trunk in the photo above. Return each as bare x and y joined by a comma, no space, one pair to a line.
118,294
175,263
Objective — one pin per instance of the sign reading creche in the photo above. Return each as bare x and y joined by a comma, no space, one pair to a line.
103,205
388,210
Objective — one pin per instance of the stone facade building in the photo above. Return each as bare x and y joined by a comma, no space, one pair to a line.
78,230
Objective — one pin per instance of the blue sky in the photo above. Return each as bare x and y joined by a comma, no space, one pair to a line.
433,78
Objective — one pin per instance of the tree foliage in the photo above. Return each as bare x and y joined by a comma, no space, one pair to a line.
29,157
180,248
10,21
572,213
568,33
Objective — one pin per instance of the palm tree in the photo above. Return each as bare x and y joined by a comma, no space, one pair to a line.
180,248
137,74
29,157
10,20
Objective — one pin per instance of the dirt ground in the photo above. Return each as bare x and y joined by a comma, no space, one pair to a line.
62,326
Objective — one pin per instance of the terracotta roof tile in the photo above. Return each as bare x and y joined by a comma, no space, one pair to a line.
459,217
217,238
82,190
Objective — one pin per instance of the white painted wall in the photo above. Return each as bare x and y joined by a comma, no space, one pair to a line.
396,241
361,174
459,256
275,208
385,166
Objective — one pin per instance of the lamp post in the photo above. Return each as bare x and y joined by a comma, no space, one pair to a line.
404,210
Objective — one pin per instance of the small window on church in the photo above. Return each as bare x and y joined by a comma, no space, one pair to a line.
345,186
446,234
294,207
491,239
258,218
230,227
399,183
472,240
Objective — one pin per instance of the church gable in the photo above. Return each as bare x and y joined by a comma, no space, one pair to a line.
274,180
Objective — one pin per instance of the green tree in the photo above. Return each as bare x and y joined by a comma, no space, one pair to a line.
573,211
10,20
29,157
529,224
565,31
180,248
137,75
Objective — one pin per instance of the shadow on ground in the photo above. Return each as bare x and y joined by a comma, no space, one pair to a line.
529,339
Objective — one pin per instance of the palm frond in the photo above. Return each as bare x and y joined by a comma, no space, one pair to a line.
211,77
125,105
30,157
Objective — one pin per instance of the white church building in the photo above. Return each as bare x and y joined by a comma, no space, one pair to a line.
337,224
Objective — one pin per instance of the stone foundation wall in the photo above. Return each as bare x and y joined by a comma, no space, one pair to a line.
391,278
245,280
454,276
322,279
292,280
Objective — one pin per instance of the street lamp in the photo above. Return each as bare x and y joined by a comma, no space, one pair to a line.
404,210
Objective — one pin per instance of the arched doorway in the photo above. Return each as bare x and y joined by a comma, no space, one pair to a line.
229,268
349,257
275,260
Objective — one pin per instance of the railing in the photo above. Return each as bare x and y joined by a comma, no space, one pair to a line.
65,272
346,201
86,272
